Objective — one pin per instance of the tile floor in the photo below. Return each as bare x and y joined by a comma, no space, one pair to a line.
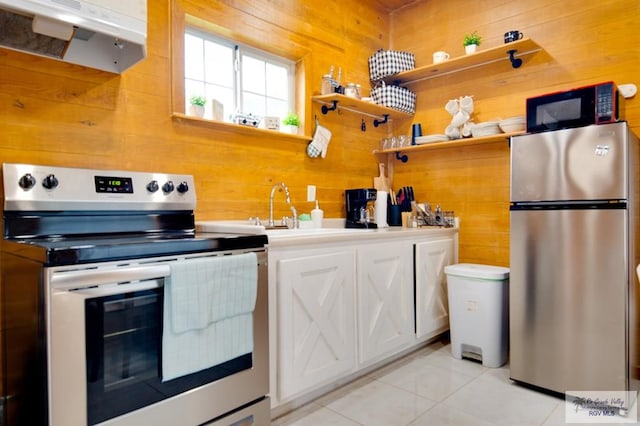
430,387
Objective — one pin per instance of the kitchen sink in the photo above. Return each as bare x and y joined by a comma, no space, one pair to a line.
306,232
242,227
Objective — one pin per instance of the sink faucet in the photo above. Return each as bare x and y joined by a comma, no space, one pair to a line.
288,199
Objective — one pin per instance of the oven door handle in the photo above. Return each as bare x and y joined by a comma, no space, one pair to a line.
90,278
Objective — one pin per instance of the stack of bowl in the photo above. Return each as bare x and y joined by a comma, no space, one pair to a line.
486,128
513,124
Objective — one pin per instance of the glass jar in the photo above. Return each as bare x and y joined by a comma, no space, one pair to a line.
352,91
327,85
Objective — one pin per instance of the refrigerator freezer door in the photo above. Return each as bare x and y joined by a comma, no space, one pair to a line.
587,163
568,299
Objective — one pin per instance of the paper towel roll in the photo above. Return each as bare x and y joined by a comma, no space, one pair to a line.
381,209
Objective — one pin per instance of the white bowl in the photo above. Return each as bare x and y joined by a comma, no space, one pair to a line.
513,124
514,127
486,128
421,140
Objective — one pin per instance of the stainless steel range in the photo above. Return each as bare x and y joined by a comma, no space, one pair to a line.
114,311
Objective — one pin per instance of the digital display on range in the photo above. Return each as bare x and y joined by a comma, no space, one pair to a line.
112,184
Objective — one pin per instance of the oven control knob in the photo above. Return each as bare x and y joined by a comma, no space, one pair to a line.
153,186
50,182
168,187
183,187
27,181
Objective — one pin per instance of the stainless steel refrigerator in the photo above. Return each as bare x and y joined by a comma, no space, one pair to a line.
573,257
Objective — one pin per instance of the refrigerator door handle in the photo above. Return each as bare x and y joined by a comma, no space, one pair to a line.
569,205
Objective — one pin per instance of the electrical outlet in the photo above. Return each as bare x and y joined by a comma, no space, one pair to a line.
311,192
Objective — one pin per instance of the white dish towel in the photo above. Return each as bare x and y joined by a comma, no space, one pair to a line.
208,312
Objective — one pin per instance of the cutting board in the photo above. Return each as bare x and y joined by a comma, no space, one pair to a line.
381,183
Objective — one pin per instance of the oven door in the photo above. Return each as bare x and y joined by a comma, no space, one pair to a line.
105,349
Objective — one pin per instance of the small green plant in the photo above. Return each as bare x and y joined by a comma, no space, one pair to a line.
291,120
472,38
198,100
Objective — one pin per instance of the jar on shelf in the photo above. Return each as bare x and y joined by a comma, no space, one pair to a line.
327,85
352,90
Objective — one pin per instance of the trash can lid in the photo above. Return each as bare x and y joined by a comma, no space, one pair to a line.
472,270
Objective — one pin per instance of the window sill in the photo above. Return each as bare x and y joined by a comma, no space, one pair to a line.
234,128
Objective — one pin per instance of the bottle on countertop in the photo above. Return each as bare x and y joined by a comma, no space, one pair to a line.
316,216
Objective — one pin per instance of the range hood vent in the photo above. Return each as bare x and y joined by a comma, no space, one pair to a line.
104,34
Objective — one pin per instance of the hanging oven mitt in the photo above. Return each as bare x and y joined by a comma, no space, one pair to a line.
321,138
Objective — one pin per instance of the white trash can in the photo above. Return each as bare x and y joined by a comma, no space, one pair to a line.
479,312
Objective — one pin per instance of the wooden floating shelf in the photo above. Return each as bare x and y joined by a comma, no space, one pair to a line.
506,52
447,144
359,107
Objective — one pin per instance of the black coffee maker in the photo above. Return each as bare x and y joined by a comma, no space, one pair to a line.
360,208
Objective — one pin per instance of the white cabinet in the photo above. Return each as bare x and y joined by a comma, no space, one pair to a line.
432,313
384,299
340,306
316,319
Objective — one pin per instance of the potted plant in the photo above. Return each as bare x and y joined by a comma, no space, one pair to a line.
471,42
197,105
291,123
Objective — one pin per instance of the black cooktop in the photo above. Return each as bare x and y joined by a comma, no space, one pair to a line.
60,251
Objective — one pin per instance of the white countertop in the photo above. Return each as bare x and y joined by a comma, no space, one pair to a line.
333,231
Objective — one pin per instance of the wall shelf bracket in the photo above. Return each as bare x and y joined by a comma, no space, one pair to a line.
377,122
404,158
515,62
326,109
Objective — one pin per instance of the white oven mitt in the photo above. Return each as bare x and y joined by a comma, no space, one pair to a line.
321,138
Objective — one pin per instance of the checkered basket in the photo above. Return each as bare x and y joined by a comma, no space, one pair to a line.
395,97
384,63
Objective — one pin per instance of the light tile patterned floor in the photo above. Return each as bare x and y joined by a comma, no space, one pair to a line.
430,387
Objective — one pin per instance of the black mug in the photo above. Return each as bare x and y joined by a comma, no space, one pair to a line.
416,132
514,35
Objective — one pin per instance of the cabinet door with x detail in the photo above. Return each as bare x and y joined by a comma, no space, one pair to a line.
385,300
316,320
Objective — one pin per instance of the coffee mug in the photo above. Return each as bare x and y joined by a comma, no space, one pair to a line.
514,35
465,130
440,56
452,132
466,104
452,106
460,118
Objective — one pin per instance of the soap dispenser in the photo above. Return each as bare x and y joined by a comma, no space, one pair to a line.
316,216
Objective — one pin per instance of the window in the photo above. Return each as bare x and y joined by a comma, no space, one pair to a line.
236,79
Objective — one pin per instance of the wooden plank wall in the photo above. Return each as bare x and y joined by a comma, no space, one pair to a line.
61,114
583,44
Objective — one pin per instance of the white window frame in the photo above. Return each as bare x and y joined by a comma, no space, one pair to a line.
240,49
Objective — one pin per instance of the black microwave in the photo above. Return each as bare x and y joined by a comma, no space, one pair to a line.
596,104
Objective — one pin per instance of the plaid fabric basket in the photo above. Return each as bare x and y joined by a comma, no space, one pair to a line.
384,63
395,97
